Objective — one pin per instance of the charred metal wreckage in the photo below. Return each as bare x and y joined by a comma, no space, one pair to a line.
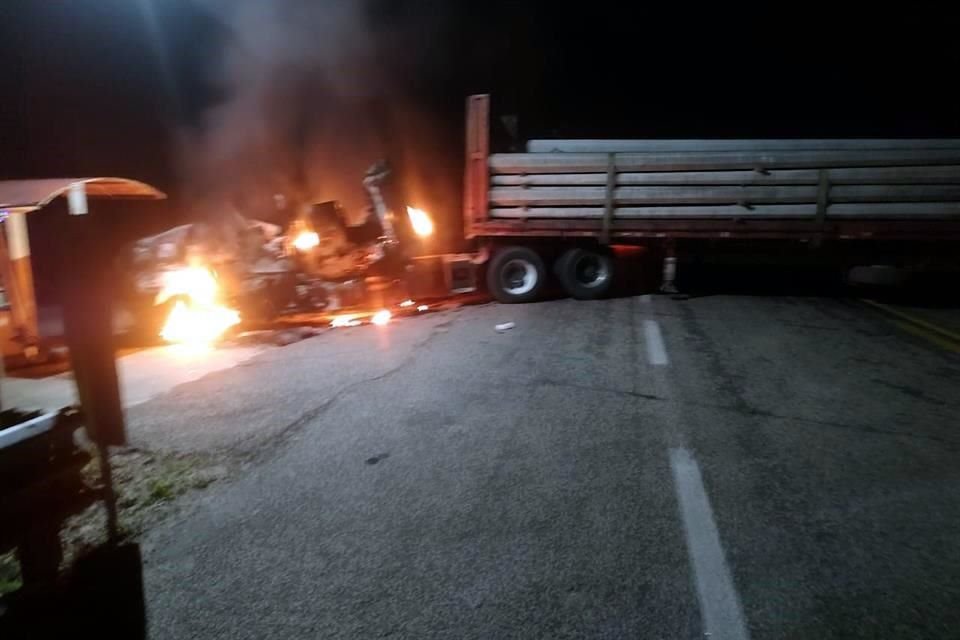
314,258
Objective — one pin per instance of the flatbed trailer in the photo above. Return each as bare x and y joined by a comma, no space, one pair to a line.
564,203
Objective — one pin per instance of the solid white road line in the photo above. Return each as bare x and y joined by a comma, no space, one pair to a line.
719,603
656,351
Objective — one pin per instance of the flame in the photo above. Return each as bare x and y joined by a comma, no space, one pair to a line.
199,326
345,321
196,283
355,320
199,320
421,222
306,240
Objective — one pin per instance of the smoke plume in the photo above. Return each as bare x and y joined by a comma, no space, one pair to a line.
310,95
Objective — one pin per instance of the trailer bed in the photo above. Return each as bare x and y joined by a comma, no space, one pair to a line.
629,190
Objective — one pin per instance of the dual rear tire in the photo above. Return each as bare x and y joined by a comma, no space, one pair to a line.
585,274
518,274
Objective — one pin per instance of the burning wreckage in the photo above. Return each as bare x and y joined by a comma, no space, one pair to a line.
192,283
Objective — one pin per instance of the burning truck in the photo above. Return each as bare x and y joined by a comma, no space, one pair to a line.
192,283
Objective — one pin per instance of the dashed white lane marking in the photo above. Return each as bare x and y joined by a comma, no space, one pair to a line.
719,603
656,351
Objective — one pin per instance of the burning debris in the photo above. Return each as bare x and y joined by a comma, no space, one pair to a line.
198,326
306,240
379,318
348,320
420,221
203,278
197,317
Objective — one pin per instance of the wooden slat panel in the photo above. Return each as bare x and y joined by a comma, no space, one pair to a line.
574,196
894,193
928,210
929,230
894,210
872,175
715,211
586,196
658,146
718,178
896,175
537,163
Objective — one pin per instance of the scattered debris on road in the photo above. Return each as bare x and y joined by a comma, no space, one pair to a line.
349,320
377,458
280,337
287,337
506,326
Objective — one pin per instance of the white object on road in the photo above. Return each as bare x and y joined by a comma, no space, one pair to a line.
656,350
28,429
719,603
506,326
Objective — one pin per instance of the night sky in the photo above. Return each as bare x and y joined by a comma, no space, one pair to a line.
115,87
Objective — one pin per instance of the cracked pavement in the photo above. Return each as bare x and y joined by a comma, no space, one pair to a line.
437,479
245,409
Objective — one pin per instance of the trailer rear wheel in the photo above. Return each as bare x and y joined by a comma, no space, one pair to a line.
585,274
516,274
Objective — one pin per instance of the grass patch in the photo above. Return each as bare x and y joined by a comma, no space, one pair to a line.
147,485
10,579
160,491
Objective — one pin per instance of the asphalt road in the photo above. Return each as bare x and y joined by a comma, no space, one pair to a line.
763,467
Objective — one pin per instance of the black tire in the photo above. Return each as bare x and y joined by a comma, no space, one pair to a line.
516,274
585,274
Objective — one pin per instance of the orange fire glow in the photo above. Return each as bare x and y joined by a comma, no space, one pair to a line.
306,240
346,321
197,317
381,318
421,222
